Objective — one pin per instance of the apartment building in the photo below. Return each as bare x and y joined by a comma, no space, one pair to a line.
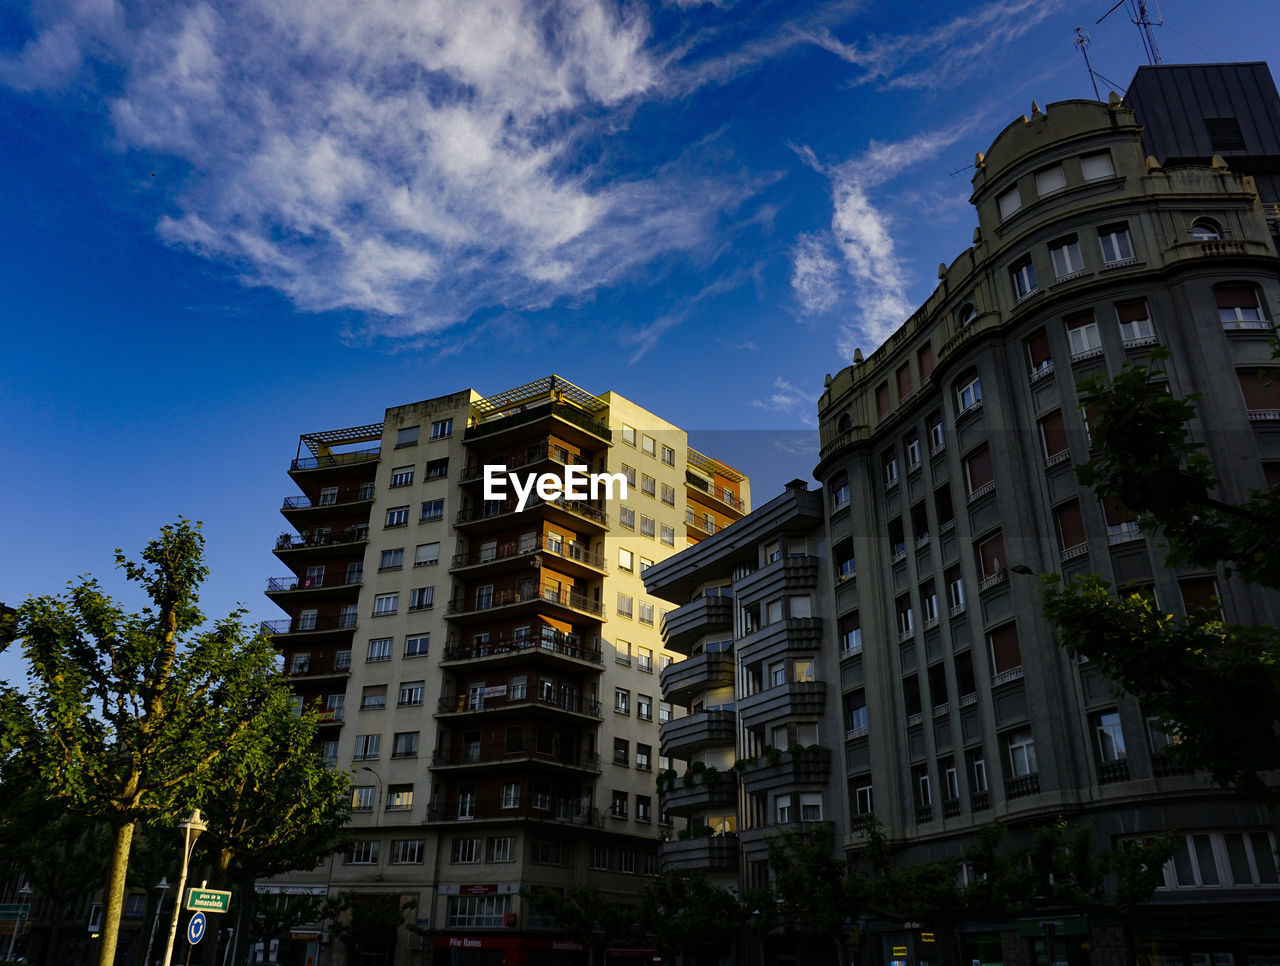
947,467
488,674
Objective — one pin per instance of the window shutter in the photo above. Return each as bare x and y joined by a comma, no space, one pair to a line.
1077,319
1135,311
991,555
1038,349
925,356
1005,652
1070,525
1261,389
1236,296
1053,434
1115,513
978,468
1199,592
904,381
882,399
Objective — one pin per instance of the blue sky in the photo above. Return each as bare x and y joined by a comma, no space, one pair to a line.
226,224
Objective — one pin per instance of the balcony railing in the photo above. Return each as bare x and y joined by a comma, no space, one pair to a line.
994,580
463,703
549,640
1079,550
336,459
526,457
344,497
951,808
278,584
305,625
1123,532
701,523
561,411
513,549
979,801
980,492
1005,677
549,593
502,754
1113,771
1022,786
289,541
581,508
570,812
724,496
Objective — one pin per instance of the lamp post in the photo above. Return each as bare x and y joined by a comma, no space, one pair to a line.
191,827
163,886
23,895
379,778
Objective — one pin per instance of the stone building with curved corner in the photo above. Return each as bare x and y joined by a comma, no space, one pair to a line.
947,466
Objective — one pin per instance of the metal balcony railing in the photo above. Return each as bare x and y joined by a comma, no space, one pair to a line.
464,703
277,584
548,640
305,625
336,459
548,593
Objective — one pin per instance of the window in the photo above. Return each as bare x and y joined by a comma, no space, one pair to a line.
906,618
668,535
416,645
1095,166
1205,229
625,559
648,486
645,564
406,852
1023,276
644,655
648,446
977,770
936,439
1066,257
397,516
510,794
644,707
363,852
300,664
1237,303
401,476
1135,322
431,510
407,436
646,613
924,359
1049,180
882,399
1116,246
845,561
465,851
373,697
404,744
442,429
968,390
838,487
1006,655
399,798
421,598
1009,202
1200,592
628,434
851,634
384,604
1022,754
928,603
619,807
1261,390
1038,354
644,757
912,446
889,463
862,800
367,747
855,711
627,517
411,693
477,911
1070,525
621,751
392,559
904,381
426,555
668,456
1053,434
380,649
1210,859
1110,736
630,473
647,526
965,314
622,700
668,494
437,469
978,471
782,809
601,857
1082,334
625,604
500,848
991,558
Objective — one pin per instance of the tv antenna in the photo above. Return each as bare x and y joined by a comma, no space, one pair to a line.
1082,41
1142,20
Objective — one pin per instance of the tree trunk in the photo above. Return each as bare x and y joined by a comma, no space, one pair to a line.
209,955
113,898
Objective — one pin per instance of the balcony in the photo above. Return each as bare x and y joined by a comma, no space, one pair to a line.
527,754
1113,771
584,429
565,812
684,680
798,766
1022,786
979,801
330,716
462,705
995,580
548,597
548,643
345,497
951,808
682,627
323,538
706,853
783,702
330,461
528,458
569,513
709,492
786,574
319,668
702,524
339,624
304,586
682,796
772,642
512,556
681,737
1125,532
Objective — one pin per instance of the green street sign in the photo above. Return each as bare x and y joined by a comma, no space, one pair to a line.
208,900
1033,927
11,911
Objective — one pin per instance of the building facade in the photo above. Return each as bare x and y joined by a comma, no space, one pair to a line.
947,466
488,674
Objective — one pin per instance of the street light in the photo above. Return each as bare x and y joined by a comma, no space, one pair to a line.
379,778
191,827
23,895
163,886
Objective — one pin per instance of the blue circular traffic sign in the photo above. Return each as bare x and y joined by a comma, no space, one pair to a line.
195,928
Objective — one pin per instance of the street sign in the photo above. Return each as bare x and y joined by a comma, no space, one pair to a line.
208,900
10,911
195,928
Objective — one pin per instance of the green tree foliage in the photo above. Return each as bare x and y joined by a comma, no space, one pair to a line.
1212,683
127,712
814,890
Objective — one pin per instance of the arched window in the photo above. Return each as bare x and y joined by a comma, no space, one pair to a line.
965,314
1205,229
844,423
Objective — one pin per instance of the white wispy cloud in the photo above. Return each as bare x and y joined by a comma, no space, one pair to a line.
815,274
791,400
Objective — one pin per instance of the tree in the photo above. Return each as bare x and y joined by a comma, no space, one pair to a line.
814,890
126,711
1213,683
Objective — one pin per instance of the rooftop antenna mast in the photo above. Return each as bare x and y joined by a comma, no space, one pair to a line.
1142,20
1082,41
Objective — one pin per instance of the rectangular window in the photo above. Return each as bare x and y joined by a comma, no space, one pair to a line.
978,470
1095,166
373,697
1115,244
1038,353
968,391
1022,754
622,701
628,434
851,634
991,556
1066,257
627,517
510,794
1053,434
1110,736
426,555
500,848
668,494
442,429
437,469
904,381
630,473
619,808
648,446
1260,389
1070,525
1050,180
889,464
465,851
399,798
421,598
644,757
648,486
470,912
937,441
431,510
924,358
646,613
1082,334
1200,592
644,655
404,744
782,809
668,456
384,604
644,707
392,559
626,560
882,399
647,526
913,452
406,852
397,516
668,535
1023,276
363,798
367,747
380,649
1006,655
625,604
411,693
1135,321
1009,202
363,852
621,751
1237,303
645,564
416,646
407,436
401,476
